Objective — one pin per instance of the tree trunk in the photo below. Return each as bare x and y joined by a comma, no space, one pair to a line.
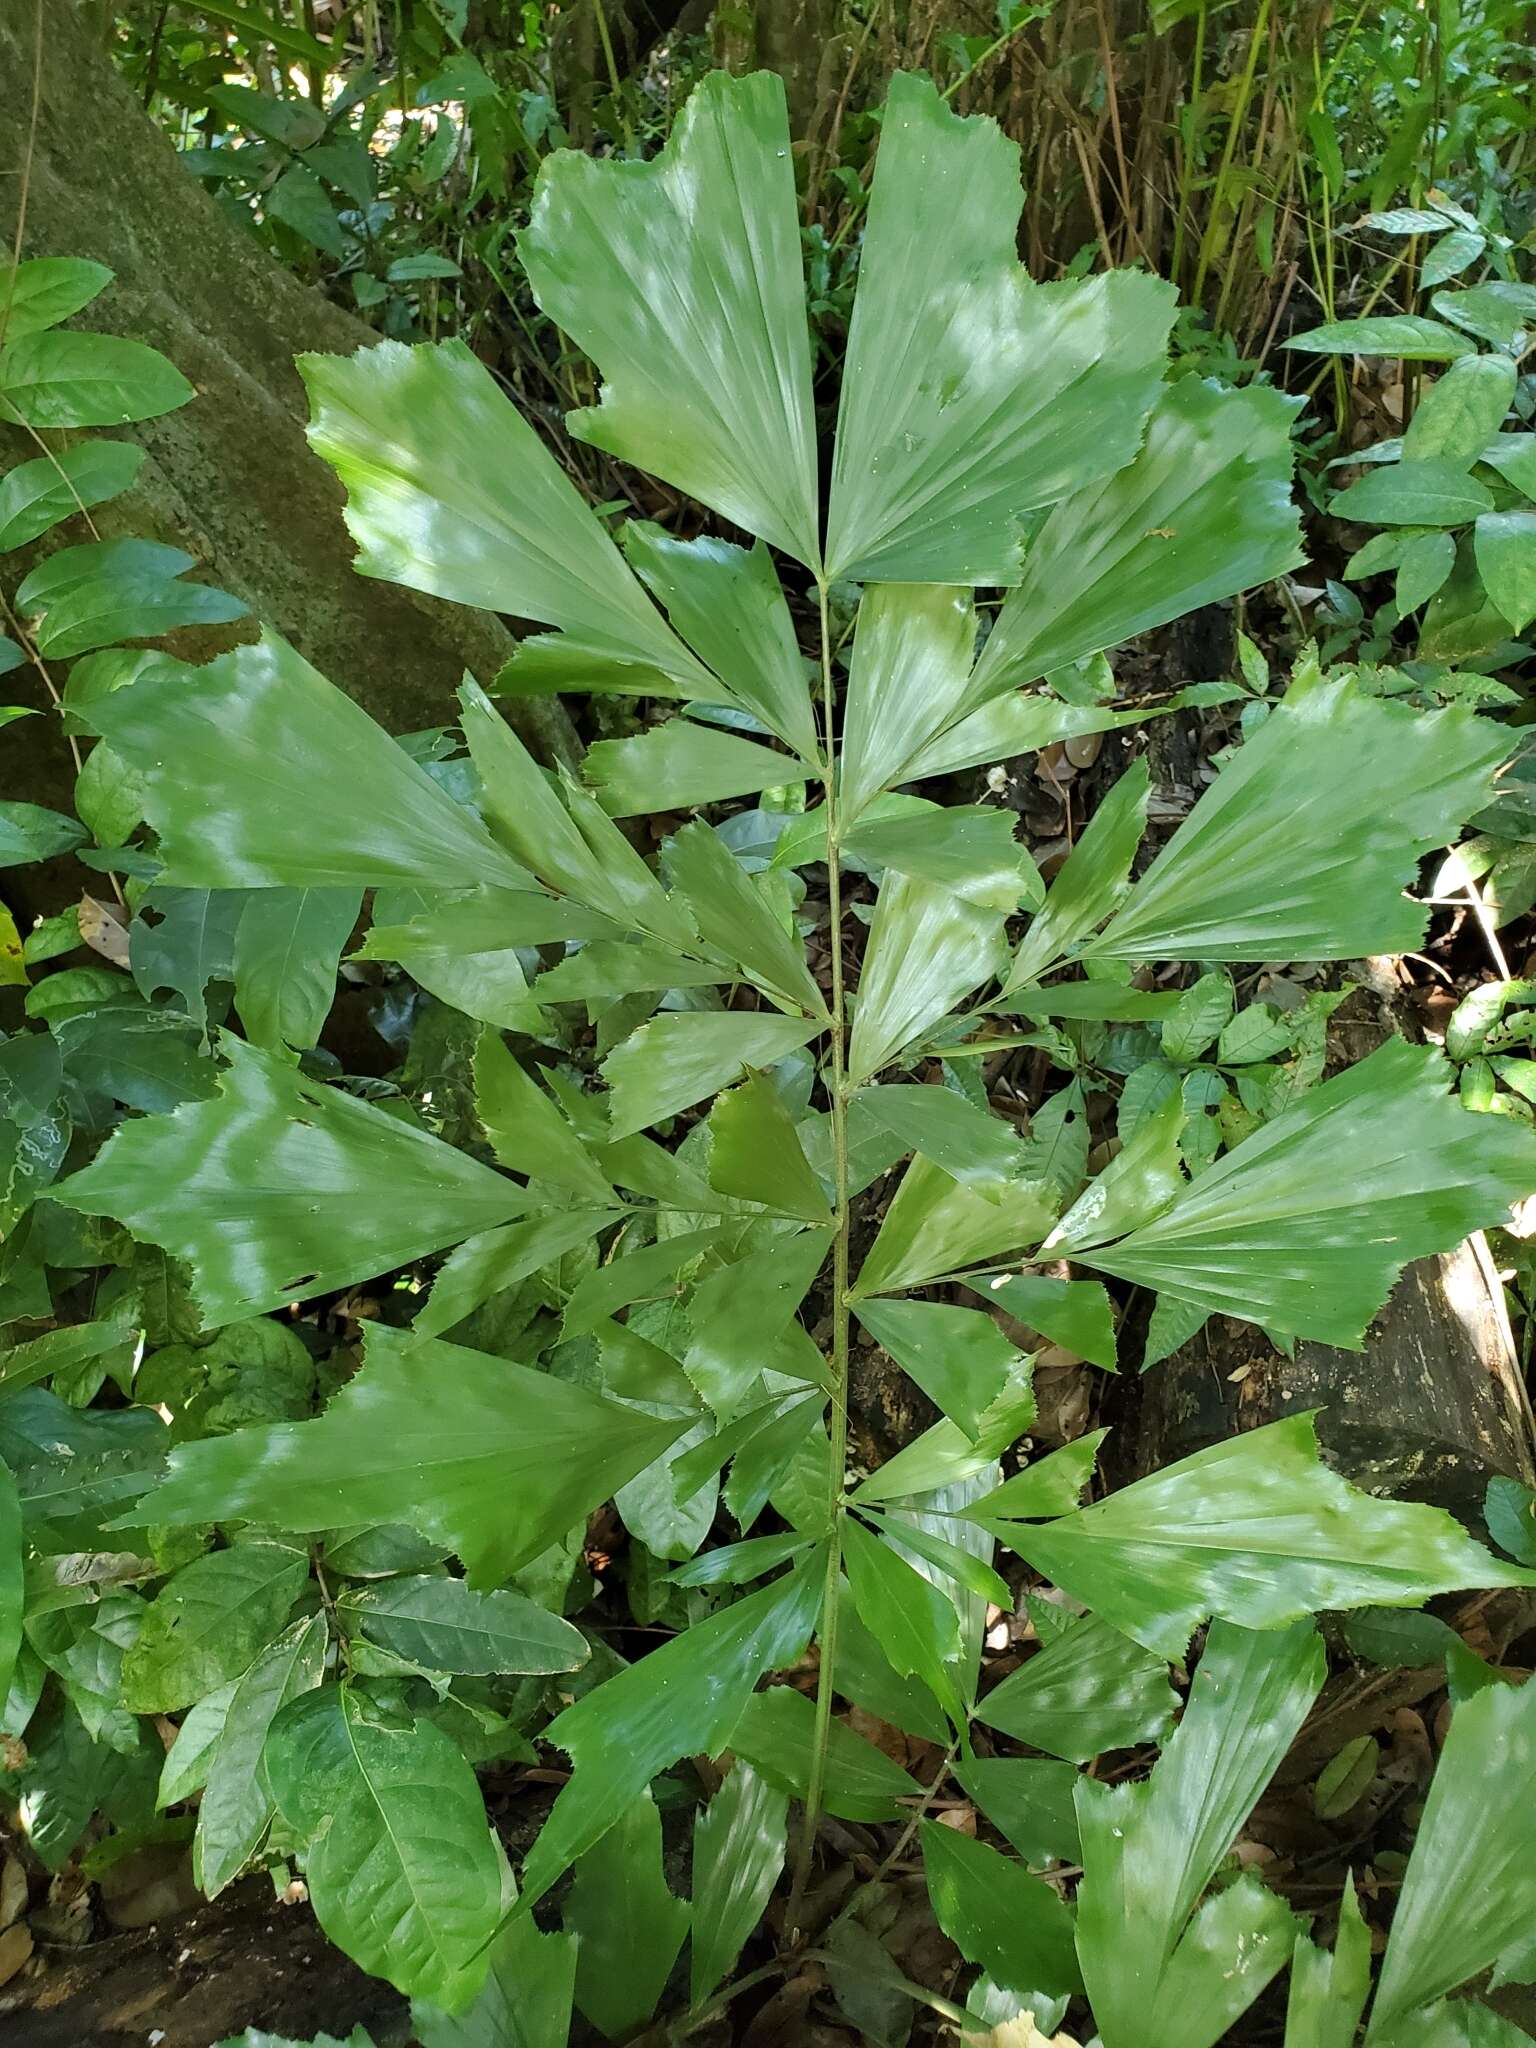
231,476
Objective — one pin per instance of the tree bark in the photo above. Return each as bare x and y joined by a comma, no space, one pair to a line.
231,476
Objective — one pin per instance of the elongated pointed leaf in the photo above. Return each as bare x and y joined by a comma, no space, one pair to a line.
681,1700
288,946
492,1459
1329,1988
208,1622
1505,546
495,1259
12,1576
527,1132
681,278
912,1621
755,1153
969,1144
971,395
776,1734
682,1056
1149,1851
1462,411
1092,1689
927,950
450,491
1468,1894
279,1187
680,763
35,496
740,1312
627,1924
443,1624
912,652
936,1224
1305,1226
1280,860
403,1871
737,921
240,765
1204,510
1014,1924
1258,1532
236,1806
738,1852
525,2001
1090,882
959,1357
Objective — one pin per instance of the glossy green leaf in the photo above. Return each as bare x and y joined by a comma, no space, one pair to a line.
936,1224
124,606
1050,1486
443,1624
280,1187
45,290
775,1734
404,1874
1467,1895
740,1311
1408,336
496,1259
1514,458
969,1144
738,1852
1074,1313
728,604
736,920
634,1276
1259,1532
288,946
682,1056
913,1622
392,1446
1461,412
755,1153
1090,882
1029,1801
1305,1225
912,652
1279,860
209,1621
970,394
525,2001
1015,1925
1157,1978
1092,1689
1429,492
1203,511
1452,2023
190,1756
678,764
705,357
1328,1989
450,491
628,1926
927,950
236,1806
959,1357
1496,312
242,789
968,849
1505,547
50,381
684,1699
527,1132
1139,1183
460,945
37,495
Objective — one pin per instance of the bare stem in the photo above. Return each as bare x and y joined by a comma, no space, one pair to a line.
837,1460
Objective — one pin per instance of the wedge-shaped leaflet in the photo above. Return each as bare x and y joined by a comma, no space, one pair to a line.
449,490
967,1143
1305,1225
736,920
1204,510
927,950
682,1700
912,651
486,1263
682,1056
959,1357
527,1132
679,764
739,1312
1328,1989
776,1734
912,1620
12,1575
1470,1892
971,395
525,2001
627,1924
288,944
997,1914
1257,1531
1452,2023
279,1186
1029,1800
738,1852
1090,881
936,1224
755,1153
1092,1689
681,278
1156,1978
403,1871
236,1806
240,764
461,944
728,604
1280,860
444,1625
968,849
492,1459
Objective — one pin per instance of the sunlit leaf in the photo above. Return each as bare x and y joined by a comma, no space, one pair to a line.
1014,1924
1156,1978
494,1460
450,491
936,1224
682,1056
1092,1689
50,381
240,761
912,652
279,1186
970,394
37,495
704,349
927,949
43,291
1305,1225
1257,1531
678,764
1204,510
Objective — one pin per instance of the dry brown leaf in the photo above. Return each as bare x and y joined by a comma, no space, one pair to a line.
102,932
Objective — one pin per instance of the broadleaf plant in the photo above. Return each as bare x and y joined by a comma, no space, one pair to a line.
660,1082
